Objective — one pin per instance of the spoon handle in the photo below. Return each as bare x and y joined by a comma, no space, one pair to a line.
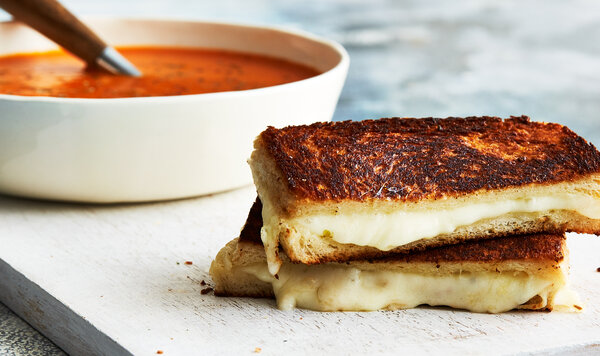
51,19
57,23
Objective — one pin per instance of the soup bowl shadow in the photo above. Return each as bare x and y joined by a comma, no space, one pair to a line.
158,148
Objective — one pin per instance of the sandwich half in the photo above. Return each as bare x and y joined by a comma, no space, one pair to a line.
492,275
341,191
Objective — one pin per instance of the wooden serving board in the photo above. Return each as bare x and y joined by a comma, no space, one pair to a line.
112,280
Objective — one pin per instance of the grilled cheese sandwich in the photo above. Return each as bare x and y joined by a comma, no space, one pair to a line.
355,190
515,272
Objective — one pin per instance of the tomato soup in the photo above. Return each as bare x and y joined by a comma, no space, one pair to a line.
166,71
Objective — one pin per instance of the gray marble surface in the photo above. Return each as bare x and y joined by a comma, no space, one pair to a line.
18,338
417,58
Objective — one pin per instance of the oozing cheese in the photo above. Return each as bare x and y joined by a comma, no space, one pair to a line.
335,288
269,237
400,227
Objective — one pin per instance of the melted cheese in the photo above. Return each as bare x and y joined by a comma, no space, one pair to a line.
269,236
336,288
386,231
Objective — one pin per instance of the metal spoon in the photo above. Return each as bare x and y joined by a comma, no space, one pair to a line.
52,20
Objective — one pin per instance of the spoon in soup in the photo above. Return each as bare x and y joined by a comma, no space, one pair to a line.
57,23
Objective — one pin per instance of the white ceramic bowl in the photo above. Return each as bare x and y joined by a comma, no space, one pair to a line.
155,148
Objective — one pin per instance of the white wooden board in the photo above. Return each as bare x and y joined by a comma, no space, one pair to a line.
112,280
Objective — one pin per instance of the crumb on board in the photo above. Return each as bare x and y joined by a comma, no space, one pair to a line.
177,262
189,263
598,269
577,307
203,283
160,352
257,350
206,290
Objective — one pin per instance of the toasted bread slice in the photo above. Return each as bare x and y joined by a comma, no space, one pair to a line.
492,275
340,191
227,270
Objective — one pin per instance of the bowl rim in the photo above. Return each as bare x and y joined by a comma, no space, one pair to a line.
343,64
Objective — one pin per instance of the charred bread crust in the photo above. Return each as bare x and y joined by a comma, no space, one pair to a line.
408,159
251,231
538,247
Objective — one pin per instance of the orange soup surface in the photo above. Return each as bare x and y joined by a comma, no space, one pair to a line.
166,71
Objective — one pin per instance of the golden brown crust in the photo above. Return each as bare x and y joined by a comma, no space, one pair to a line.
538,247
230,280
409,159
532,247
